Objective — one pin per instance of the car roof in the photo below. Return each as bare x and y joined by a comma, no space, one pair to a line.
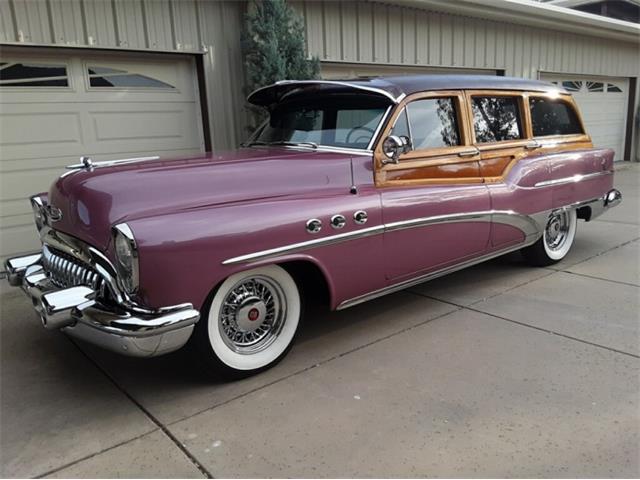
397,87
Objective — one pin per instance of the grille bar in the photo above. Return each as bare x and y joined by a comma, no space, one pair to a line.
66,271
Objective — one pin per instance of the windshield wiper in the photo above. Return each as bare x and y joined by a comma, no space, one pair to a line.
282,142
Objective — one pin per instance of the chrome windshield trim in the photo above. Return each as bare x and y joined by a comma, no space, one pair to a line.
531,226
381,124
572,179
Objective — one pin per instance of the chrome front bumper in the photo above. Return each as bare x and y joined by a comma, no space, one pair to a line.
77,312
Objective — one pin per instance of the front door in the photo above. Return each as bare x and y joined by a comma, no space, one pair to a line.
435,205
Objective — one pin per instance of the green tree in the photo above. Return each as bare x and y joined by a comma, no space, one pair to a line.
273,45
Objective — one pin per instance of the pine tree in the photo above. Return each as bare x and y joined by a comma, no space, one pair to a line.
273,44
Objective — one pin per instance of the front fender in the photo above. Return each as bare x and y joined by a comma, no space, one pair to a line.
182,255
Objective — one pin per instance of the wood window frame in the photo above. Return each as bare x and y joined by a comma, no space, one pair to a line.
426,157
524,119
580,138
433,157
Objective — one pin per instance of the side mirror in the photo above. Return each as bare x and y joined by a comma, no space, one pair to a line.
394,146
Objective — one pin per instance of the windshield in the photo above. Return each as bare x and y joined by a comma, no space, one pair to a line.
347,121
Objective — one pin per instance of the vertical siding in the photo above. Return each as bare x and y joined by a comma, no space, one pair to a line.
386,33
163,25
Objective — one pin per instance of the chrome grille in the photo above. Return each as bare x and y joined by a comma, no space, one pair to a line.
66,271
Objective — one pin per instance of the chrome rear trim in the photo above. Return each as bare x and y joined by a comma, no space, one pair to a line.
572,179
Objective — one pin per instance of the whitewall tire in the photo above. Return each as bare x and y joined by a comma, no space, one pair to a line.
556,241
251,321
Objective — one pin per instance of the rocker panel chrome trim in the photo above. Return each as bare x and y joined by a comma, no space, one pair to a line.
430,276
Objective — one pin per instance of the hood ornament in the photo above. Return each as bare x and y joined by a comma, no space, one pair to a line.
86,163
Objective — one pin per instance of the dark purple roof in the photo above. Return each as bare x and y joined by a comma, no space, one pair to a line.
396,88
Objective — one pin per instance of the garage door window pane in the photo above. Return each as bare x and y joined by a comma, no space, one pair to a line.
496,119
553,117
33,75
111,77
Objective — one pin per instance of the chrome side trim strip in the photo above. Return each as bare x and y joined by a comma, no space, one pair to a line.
572,179
528,224
296,247
429,276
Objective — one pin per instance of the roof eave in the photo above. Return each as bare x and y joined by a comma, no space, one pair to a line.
533,13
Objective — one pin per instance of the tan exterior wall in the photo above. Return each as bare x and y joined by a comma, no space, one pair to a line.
379,33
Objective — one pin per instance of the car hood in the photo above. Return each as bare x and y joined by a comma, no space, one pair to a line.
93,201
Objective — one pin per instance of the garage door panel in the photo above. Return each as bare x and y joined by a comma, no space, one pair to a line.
134,125
114,107
604,112
37,132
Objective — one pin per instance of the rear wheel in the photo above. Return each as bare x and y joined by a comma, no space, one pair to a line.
556,240
250,323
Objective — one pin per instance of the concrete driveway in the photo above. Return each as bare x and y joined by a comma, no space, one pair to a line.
498,370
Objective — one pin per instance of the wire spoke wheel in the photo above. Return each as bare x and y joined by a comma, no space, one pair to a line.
252,314
251,321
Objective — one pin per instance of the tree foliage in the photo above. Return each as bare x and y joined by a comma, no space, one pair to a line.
273,45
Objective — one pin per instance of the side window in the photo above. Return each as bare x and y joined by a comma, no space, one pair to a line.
430,123
496,119
553,117
433,123
401,128
33,75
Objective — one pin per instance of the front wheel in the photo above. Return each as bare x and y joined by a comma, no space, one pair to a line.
556,240
250,323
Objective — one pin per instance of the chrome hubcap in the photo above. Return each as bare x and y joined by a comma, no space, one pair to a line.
252,315
557,230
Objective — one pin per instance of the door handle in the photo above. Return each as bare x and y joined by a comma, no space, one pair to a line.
468,153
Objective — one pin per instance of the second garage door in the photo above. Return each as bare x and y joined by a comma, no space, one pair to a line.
56,106
603,102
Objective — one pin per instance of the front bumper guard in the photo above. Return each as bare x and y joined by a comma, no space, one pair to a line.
77,312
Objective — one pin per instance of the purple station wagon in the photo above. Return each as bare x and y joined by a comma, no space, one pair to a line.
354,188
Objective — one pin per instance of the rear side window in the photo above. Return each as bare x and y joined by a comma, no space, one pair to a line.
431,123
496,119
553,117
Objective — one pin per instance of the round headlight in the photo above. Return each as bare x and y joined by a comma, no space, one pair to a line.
126,257
124,252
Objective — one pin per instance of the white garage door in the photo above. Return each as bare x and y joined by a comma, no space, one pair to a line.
603,102
55,107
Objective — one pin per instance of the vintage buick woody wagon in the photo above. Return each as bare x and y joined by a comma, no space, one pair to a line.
355,188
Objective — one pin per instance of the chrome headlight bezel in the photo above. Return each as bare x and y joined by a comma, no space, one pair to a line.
126,256
39,215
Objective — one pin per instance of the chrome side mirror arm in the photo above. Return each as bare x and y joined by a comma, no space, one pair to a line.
393,146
